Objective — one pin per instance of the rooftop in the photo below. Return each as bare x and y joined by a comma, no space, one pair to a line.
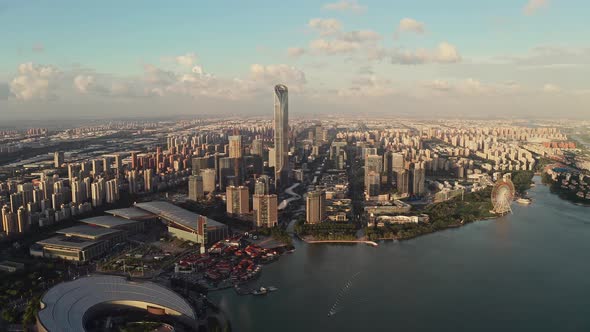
67,242
176,214
65,304
131,213
87,231
108,221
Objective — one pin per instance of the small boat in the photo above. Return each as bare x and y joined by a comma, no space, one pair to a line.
261,291
272,288
523,201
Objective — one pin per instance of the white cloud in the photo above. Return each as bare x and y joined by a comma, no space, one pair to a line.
157,75
280,73
444,53
360,36
83,83
198,70
368,86
295,51
344,5
551,88
447,53
326,26
533,6
471,87
33,81
550,57
332,47
187,60
411,25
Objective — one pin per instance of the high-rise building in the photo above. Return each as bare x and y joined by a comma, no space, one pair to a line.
9,221
57,199
315,207
262,185
235,146
107,161
58,159
237,200
373,170
272,158
148,180
22,220
118,163
199,163
257,147
402,181
133,160
397,160
16,201
88,187
195,188
208,175
112,191
132,179
319,135
265,209
73,171
281,136
417,178
78,191
372,184
98,193
97,167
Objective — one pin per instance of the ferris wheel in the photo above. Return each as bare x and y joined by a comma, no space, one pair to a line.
502,196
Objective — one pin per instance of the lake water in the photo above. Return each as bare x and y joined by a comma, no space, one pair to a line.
529,271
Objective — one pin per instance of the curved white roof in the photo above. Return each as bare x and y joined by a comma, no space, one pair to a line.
66,303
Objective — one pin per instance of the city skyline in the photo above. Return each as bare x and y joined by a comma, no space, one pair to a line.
355,57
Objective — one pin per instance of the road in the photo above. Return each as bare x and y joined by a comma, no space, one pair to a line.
289,191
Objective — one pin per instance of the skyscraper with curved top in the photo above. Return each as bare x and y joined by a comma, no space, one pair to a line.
281,127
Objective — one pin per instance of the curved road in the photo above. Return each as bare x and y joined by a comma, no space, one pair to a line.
289,191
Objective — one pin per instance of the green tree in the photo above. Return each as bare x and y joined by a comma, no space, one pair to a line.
10,315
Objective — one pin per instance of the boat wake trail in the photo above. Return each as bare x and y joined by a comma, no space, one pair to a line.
337,306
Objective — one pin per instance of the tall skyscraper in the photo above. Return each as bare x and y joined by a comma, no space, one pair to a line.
315,206
373,169
281,128
237,200
265,210
235,146
417,177
195,188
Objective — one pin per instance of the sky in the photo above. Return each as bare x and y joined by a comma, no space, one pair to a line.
143,58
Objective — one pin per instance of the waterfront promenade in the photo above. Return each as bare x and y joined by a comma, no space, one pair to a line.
371,243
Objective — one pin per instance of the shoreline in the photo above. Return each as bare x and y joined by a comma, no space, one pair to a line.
368,242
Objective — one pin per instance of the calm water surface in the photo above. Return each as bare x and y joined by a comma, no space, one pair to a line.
529,271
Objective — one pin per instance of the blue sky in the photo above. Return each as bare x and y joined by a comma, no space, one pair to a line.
126,53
